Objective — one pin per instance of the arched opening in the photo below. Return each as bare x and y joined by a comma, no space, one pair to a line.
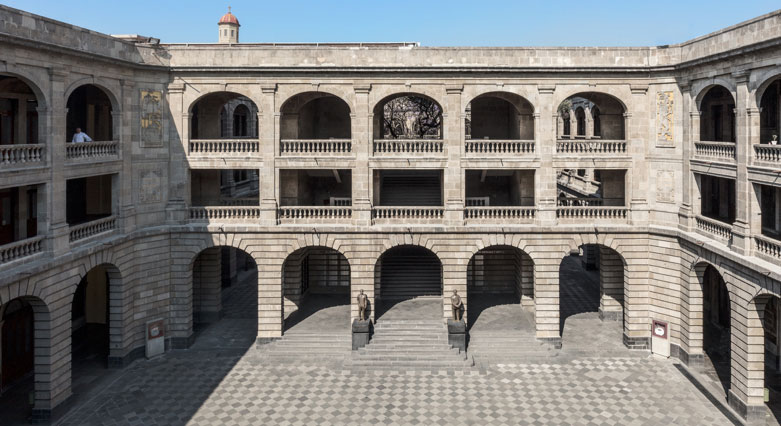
90,110
498,115
214,116
591,298
18,112
499,282
17,359
225,297
408,280
591,187
316,290
769,312
770,114
716,327
408,116
591,115
315,115
717,115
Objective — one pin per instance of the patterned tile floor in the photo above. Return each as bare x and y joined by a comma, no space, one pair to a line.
222,381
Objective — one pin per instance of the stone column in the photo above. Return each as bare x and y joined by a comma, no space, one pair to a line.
546,294
121,120
454,143
747,367
207,286
527,282
179,137
545,146
361,139
611,280
56,144
269,147
741,240
589,122
637,192
559,126
685,216
270,313
21,121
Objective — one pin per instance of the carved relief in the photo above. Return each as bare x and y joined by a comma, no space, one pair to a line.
664,118
150,188
151,118
665,186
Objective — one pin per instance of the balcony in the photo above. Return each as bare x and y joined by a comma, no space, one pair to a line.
510,215
715,151
224,214
715,229
591,214
591,147
417,147
407,214
315,215
88,230
20,156
315,147
498,147
21,249
219,147
499,196
92,151
768,247
768,154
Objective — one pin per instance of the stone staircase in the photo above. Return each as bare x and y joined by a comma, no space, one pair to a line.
300,347
488,349
409,345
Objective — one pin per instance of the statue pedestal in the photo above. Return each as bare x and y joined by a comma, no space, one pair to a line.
456,334
361,332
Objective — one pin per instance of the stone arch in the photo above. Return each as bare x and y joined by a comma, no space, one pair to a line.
209,118
398,249
32,120
701,88
619,94
108,87
286,98
500,115
762,80
406,121
761,329
315,115
45,397
613,106
206,90
35,87
77,114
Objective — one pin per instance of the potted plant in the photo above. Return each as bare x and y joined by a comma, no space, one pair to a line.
774,141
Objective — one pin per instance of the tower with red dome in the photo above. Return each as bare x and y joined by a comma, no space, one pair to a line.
229,28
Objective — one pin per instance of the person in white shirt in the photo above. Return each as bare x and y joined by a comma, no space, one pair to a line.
80,136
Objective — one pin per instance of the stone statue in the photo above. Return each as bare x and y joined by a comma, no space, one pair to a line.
363,302
455,303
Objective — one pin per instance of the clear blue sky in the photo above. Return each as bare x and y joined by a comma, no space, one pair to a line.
430,22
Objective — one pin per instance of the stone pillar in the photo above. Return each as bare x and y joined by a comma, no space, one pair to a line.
20,132
178,176
291,283
747,366
56,144
361,137
685,215
269,147
122,133
454,142
611,289
546,293
589,122
545,145
741,240
207,286
559,126
527,281
270,312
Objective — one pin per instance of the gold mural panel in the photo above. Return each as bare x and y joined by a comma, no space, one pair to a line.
151,118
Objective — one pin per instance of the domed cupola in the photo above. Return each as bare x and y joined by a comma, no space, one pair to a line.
229,28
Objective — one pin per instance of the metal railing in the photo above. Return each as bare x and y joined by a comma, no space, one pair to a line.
21,249
89,229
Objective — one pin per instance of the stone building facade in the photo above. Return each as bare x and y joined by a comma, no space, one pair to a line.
324,180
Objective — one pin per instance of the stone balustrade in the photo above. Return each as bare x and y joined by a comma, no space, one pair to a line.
393,214
408,146
768,246
315,146
579,213
499,214
20,155
715,228
95,150
224,213
314,214
767,153
715,150
224,146
581,202
89,229
250,201
475,147
21,249
590,146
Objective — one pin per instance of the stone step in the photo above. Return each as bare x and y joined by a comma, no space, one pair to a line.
381,352
408,346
